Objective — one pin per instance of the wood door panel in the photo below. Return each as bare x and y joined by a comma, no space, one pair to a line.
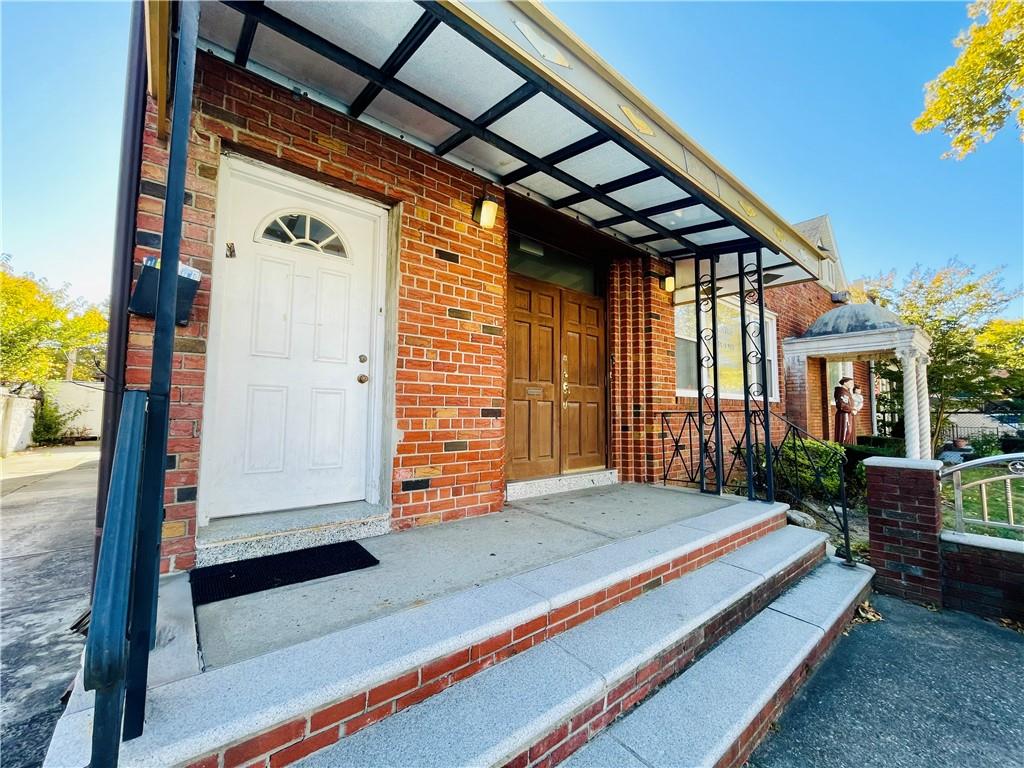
533,424
583,391
556,342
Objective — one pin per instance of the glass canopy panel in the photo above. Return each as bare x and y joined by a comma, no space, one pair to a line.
369,30
311,70
604,163
717,236
685,217
540,126
633,229
544,185
480,154
667,244
648,193
450,69
595,210
406,117
220,24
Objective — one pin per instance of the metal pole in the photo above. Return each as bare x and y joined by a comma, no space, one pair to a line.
769,470
129,171
700,374
147,567
720,462
748,459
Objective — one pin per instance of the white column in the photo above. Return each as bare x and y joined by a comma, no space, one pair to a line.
923,408
911,429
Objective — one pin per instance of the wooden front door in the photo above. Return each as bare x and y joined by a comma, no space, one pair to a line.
556,380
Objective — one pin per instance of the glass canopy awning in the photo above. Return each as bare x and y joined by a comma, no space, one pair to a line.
505,90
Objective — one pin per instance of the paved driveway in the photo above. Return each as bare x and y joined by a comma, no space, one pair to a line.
46,527
915,690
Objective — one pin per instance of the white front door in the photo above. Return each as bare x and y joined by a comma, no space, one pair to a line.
294,345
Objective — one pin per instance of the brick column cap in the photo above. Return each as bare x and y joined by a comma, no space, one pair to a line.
985,542
900,463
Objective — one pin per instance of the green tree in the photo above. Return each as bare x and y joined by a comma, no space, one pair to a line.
972,99
953,305
43,333
1003,342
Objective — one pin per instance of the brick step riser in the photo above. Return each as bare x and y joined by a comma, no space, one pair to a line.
754,733
561,742
291,741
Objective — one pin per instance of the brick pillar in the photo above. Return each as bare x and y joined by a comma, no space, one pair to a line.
797,390
904,523
642,344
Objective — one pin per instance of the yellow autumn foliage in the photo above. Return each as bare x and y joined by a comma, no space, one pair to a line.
971,100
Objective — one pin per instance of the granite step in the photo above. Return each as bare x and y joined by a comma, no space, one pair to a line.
538,706
288,702
716,712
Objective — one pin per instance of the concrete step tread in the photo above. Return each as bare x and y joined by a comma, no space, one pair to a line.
743,672
489,718
624,639
192,717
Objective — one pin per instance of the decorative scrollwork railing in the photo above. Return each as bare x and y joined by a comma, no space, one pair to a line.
801,470
993,476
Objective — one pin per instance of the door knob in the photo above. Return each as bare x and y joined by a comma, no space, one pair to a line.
362,378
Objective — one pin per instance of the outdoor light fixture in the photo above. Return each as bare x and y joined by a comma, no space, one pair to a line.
486,211
668,283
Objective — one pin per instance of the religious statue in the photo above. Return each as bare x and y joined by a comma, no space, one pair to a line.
843,432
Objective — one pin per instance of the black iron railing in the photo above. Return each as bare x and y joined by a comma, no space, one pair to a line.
122,628
730,449
109,643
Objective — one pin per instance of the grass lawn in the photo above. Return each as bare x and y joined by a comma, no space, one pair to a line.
996,502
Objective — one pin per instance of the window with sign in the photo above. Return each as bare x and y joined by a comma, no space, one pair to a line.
730,351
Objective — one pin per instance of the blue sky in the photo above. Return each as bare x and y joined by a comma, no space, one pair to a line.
809,103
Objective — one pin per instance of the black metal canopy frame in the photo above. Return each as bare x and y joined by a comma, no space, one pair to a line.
707,448
384,78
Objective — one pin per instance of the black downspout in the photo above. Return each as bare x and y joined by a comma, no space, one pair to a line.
132,127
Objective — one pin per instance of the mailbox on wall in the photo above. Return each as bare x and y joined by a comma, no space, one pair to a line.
143,300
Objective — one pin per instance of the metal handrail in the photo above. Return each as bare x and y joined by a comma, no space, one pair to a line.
105,666
748,452
1015,471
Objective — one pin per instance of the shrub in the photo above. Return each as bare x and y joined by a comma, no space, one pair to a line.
796,465
1012,444
895,444
51,423
986,445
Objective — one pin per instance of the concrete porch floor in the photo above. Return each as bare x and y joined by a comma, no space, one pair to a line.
422,564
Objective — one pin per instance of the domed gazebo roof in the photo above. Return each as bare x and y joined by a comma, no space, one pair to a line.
853,318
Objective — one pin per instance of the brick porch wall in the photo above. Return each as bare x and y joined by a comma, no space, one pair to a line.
451,294
914,559
642,346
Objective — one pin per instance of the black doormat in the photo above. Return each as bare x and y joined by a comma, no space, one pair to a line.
244,577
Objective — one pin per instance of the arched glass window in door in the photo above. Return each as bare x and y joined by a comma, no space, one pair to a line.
304,231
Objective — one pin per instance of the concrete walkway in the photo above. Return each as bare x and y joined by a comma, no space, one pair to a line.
424,563
916,690
46,533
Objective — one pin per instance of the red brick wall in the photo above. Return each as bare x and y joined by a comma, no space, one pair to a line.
981,580
642,347
451,295
904,522
914,560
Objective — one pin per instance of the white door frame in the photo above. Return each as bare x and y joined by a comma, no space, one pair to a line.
234,166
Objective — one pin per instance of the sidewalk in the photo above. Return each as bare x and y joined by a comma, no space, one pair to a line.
46,534
916,690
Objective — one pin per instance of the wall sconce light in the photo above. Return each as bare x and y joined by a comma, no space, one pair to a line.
668,283
486,211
